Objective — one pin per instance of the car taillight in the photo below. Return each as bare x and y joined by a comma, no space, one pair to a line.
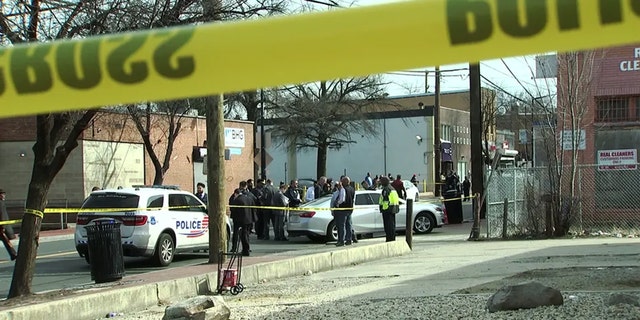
134,221
82,220
307,214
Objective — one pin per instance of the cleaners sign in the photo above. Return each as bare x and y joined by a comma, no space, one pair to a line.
631,65
623,159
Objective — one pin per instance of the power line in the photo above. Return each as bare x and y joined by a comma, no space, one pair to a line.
495,86
430,71
421,75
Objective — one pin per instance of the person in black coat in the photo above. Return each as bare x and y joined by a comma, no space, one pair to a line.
243,219
6,231
466,187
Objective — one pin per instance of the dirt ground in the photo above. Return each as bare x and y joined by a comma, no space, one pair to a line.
569,279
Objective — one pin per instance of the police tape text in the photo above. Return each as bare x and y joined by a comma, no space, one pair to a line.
78,64
471,21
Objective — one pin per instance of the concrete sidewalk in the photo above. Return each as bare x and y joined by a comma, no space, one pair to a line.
140,291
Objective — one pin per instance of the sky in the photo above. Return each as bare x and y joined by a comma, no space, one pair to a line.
496,72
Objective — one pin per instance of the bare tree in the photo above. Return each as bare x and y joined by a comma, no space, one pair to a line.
104,169
324,115
56,134
488,99
575,74
149,117
560,106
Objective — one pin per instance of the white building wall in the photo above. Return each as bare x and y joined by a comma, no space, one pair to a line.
404,155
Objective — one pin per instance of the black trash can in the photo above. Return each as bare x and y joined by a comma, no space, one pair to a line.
454,207
105,251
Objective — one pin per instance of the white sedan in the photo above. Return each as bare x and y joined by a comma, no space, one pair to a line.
412,190
318,224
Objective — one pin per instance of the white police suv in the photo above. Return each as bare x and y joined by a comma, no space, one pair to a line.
156,221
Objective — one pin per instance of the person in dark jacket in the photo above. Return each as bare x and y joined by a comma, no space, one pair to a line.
399,186
281,201
348,201
262,224
243,219
466,187
6,231
319,188
200,193
293,194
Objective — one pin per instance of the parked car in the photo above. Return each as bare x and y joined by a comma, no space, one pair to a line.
167,221
412,190
318,224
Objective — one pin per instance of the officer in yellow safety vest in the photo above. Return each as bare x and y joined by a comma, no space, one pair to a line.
389,205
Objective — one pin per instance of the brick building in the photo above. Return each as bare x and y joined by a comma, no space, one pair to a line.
608,173
111,154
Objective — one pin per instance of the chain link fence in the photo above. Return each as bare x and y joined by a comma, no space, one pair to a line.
526,202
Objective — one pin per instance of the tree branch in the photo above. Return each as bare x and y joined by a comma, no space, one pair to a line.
64,28
14,37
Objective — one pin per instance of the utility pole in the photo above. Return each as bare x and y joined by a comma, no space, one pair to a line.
477,160
216,177
263,156
437,159
426,81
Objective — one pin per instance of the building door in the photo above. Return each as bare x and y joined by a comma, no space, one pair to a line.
462,170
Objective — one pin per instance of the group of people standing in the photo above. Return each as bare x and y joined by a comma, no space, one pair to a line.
254,208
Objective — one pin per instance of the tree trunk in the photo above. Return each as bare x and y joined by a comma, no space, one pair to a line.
30,231
321,166
216,178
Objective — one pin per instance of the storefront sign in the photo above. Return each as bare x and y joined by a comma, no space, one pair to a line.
631,65
622,159
233,137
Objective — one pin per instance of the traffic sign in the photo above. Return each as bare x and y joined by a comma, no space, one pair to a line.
267,158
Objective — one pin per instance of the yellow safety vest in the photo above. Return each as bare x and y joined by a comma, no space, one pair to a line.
392,199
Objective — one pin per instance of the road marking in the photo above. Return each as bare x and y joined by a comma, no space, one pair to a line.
52,255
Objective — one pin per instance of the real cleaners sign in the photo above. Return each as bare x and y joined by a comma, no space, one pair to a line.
631,65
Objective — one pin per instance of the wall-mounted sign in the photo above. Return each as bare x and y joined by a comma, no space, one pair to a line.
234,137
447,151
567,139
631,65
622,159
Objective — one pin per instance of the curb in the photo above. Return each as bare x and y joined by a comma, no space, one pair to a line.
97,304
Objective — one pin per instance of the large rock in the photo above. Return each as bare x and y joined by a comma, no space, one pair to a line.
198,308
524,296
623,298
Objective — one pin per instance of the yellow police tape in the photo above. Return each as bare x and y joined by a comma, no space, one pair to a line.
103,210
2,223
234,56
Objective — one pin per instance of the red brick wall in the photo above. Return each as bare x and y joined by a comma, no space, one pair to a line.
608,80
109,126
18,129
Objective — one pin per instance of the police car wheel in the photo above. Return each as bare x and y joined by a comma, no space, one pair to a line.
164,250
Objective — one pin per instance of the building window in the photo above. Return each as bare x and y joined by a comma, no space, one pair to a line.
612,109
445,132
